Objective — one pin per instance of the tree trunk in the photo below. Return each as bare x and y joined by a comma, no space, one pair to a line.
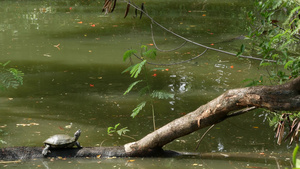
281,97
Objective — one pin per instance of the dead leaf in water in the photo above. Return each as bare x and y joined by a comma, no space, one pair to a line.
27,125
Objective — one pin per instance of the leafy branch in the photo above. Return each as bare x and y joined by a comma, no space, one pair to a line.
120,132
134,71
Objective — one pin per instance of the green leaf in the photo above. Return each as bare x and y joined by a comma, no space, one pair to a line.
297,164
242,48
138,109
150,53
4,64
144,47
137,68
128,53
122,131
10,77
265,64
127,69
116,126
131,86
295,155
162,95
158,68
288,64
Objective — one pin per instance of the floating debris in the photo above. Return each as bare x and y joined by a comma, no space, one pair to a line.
26,125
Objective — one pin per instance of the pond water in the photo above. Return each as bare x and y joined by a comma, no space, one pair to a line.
71,55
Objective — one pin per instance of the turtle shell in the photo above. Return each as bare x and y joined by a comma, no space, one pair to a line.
60,141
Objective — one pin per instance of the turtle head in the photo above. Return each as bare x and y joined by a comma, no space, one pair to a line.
77,134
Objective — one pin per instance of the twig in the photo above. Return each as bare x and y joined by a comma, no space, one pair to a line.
176,63
199,141
170,50
188,40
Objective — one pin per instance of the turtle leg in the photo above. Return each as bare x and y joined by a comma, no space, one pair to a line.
78,144
46,150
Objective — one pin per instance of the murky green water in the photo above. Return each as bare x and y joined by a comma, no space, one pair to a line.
71,55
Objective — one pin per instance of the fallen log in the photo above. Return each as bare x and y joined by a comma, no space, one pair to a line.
22,153
282,97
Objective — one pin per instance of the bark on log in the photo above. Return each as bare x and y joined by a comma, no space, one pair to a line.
281,97
21,153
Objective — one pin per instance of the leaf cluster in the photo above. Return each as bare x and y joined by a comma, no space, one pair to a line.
10,77
274,30
120,132
135,70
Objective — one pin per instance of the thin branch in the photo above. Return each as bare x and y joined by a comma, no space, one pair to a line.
188,40
170,50
169,64
199,141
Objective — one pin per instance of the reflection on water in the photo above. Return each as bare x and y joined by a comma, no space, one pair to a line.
71,55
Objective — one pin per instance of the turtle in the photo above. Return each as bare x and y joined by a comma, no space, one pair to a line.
61,141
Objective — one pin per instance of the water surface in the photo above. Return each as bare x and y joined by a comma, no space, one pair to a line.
71,55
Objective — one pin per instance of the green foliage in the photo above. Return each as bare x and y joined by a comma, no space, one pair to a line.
162,95
137,68
241,50
128,54
131,86
254,82
2,141
274,32
296,161
135,72
120,132
10,77
138,108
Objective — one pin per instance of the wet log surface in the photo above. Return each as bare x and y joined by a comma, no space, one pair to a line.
16,153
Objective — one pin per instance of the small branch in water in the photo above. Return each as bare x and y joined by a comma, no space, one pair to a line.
199,141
